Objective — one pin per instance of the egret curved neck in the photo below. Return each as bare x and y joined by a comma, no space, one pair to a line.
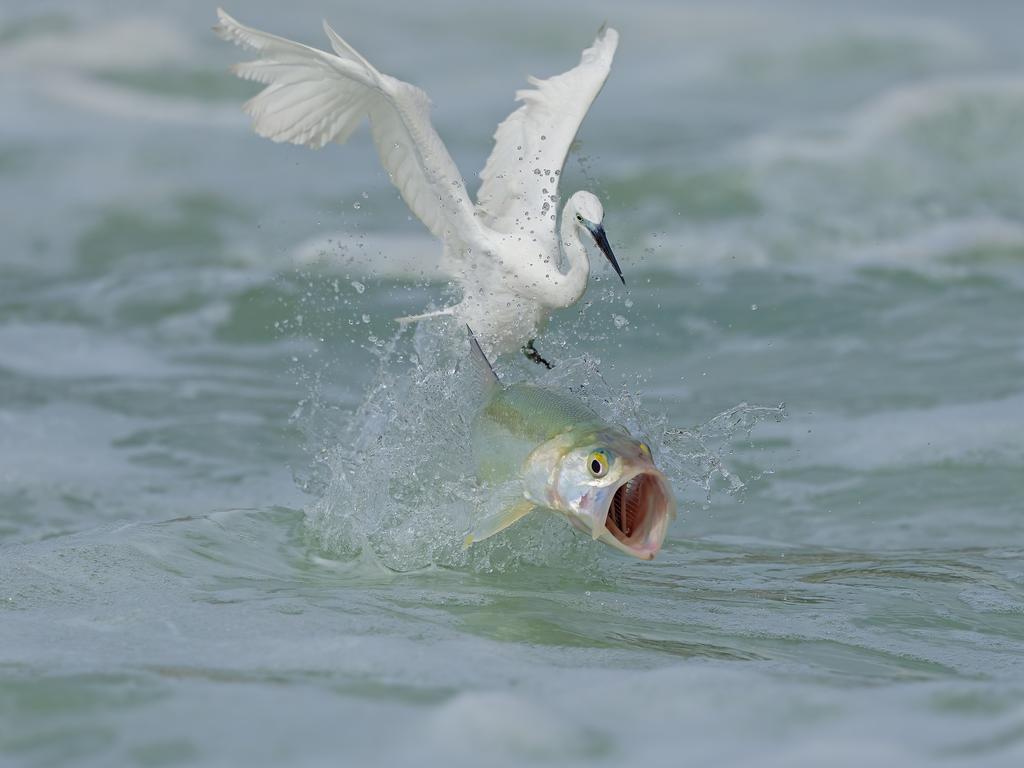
573,281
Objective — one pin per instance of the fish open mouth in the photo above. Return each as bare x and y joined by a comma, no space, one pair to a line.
639,513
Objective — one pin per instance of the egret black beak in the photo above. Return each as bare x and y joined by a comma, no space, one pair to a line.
602,242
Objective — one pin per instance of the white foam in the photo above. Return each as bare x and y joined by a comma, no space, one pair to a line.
912,437
105,98
63,351
941,241
121,44
475,723
61,64
379,254
885,116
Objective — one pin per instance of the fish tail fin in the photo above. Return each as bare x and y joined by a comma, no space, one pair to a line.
481,365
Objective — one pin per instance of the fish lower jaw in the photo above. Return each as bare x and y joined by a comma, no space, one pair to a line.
641,553
638,515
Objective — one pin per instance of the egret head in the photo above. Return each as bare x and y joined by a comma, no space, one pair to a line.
589,215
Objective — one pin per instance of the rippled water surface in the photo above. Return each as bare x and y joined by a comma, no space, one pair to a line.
230,500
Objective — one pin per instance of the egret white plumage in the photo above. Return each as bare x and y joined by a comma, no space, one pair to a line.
513,260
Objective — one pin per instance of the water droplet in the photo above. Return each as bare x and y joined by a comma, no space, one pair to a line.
358,286
753,307
628,303
366,318
620,321
356,206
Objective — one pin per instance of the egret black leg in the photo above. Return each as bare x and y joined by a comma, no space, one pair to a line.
534,355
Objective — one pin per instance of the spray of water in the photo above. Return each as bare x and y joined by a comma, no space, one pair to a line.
398,486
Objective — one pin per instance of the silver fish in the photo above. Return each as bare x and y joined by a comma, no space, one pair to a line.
551,452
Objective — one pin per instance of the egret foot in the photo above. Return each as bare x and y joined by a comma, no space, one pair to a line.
533,355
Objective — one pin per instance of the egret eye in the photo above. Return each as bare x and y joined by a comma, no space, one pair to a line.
597,463
579,218
645,449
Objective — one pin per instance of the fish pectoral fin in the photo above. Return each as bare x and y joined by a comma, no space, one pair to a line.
499,521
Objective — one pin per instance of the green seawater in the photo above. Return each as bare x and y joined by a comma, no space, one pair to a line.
231,492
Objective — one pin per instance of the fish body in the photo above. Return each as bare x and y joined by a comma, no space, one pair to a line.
552,452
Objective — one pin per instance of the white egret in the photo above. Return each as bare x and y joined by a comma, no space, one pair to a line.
515,263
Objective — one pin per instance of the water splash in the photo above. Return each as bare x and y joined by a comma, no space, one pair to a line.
698,454
696,458
399,487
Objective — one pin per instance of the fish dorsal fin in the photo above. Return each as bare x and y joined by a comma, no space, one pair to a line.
481,365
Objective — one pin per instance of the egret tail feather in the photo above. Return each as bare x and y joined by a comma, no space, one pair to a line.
406,319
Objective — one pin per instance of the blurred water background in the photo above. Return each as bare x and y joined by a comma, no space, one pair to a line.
816,204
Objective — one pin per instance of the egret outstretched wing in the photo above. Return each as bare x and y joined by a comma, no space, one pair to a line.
520,179
314,97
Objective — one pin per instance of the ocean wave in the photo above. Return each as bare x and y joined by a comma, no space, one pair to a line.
123,68
893,115
124,43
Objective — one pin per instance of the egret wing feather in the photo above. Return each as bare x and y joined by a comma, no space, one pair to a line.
314,97
520,178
